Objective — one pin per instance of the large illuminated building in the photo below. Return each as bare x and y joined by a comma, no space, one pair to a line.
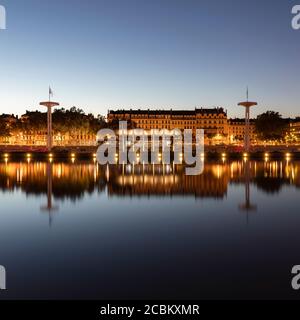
213,121
236,130
218,129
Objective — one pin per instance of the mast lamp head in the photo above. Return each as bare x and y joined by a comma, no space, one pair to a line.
247,104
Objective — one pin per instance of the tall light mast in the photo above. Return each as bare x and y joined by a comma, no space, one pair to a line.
247,104
49,105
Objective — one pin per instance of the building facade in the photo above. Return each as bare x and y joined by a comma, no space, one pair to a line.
213,121
24,131
236,131
218,129
39,138
295,131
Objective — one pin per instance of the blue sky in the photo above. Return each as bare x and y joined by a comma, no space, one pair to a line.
106,54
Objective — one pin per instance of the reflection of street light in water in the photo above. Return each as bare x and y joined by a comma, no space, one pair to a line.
49,207
247,206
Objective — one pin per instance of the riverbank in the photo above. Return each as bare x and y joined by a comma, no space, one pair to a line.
89,153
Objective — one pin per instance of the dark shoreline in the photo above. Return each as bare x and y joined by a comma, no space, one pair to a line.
89,153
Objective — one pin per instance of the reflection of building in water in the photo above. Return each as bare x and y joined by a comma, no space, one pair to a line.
146,180
68,180
73,181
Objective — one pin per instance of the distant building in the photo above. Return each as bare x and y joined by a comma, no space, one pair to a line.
236,130
38,137
213,121
295,130
78,137
218,129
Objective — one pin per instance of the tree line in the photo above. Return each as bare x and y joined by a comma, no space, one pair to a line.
63,121
269,126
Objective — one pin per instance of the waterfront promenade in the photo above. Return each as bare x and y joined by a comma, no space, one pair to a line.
87,152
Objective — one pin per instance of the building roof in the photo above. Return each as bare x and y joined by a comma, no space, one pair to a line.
169,112
239,120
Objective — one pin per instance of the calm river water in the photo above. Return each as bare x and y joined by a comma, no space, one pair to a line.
79,230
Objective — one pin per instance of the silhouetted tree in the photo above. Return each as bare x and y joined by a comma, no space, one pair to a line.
271,126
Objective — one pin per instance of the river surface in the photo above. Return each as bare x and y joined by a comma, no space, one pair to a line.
80,230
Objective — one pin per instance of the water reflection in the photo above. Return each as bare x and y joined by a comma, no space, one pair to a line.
157,223
62,180
72,181
167,180
247,205
50,208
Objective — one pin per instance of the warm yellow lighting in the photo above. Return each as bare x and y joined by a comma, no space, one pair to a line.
73,155
28,155
266,155
288,156
223,155
6,155
245,154
50,155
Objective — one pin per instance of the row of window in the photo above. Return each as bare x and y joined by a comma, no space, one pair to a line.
60,138
135,116
179,122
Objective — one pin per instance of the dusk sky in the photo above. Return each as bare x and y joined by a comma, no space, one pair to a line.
107,54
